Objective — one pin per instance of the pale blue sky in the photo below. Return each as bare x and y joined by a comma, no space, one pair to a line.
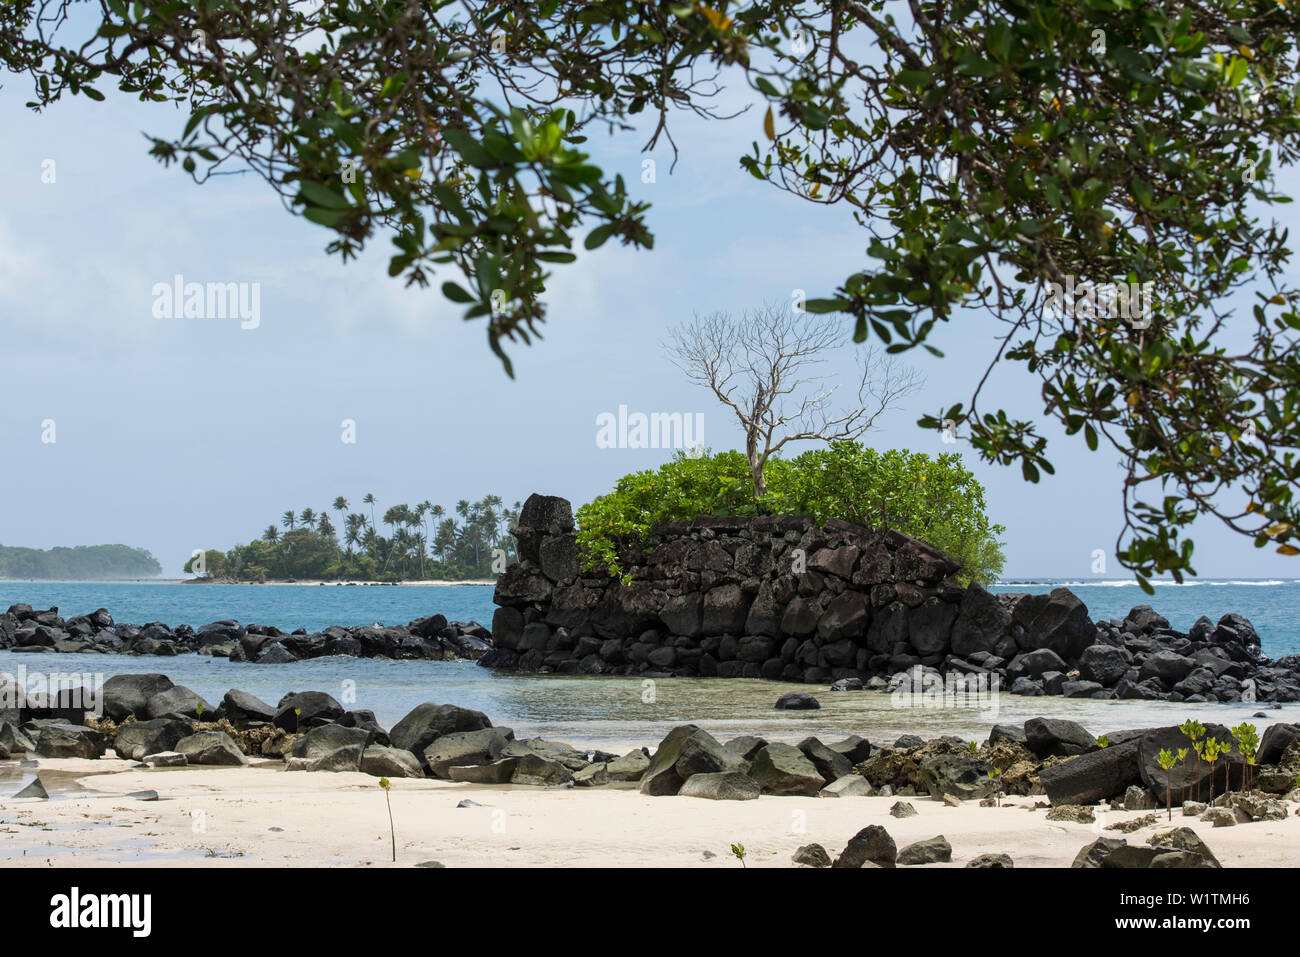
183,434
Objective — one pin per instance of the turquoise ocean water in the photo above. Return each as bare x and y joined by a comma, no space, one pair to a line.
1273,605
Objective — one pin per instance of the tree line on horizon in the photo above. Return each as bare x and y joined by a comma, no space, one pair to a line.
423,542
79,563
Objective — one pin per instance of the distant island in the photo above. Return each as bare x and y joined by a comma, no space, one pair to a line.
79,563
424,542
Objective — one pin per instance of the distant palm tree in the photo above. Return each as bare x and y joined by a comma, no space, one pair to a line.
354,525
307,517
341,506
395,516
446,538
492,519
289,519
370,500
422,510
415,519
436,513
271,534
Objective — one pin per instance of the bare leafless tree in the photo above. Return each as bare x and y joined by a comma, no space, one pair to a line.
761,366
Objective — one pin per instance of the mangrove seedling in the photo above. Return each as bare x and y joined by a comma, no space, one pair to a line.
972,746
1103,741
1182,762
392,833
1211,754
1193,730
739,851
996,777
1247,738
1166,761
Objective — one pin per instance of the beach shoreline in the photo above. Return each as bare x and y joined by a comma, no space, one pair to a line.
262,816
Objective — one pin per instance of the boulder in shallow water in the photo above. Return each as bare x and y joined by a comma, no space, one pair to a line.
1036,664
1104,664
275,653
797,701
1169,667
1026,687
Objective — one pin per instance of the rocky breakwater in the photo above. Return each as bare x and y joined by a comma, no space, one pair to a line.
779,597
1113,782
24,629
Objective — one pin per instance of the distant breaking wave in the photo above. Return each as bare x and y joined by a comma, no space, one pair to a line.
1129,583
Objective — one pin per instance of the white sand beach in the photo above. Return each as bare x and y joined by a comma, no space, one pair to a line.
263,816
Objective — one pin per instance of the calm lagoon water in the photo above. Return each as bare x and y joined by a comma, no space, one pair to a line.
602,711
